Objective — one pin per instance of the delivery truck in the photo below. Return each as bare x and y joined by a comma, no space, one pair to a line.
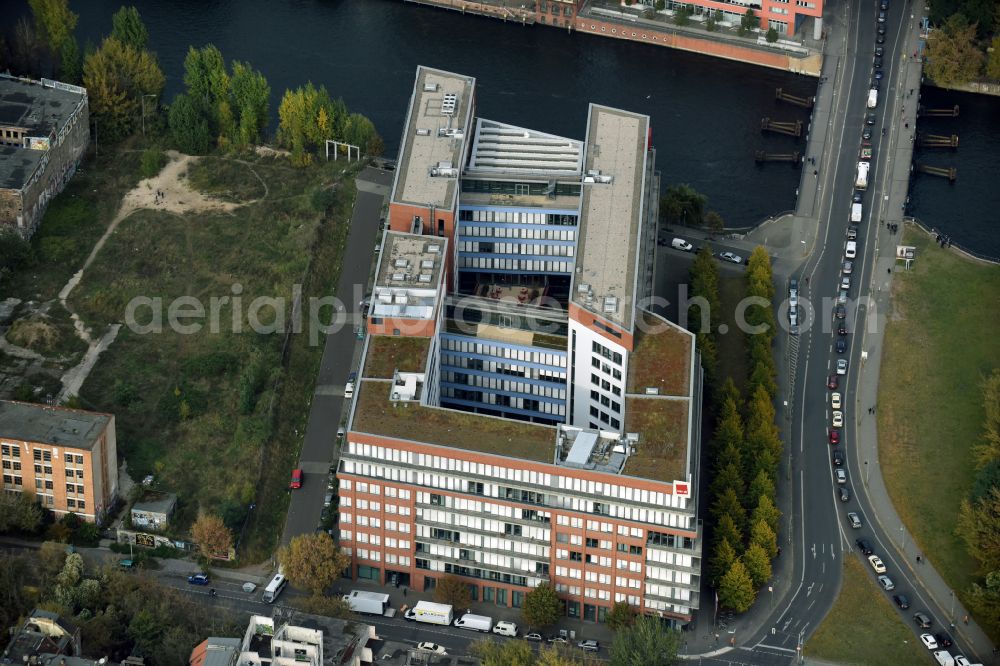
370,603
855,213
861,182
431,613
475,622
872,98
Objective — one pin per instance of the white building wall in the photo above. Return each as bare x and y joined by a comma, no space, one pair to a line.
609,377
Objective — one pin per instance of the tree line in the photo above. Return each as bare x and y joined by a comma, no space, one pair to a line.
979,517
745,450
964,45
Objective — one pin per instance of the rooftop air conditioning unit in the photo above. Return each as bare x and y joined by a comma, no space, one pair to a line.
430,87
398,277
423,131
427,263
610,304
401,263
434,249
425,277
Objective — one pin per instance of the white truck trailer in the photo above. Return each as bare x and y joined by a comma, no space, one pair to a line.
370,603
872,98
856,213
431,613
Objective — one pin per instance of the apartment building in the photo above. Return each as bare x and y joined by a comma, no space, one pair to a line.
521,416
787,17
44,129
66,458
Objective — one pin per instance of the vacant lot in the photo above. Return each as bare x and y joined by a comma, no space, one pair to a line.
863,627
202,402
939,344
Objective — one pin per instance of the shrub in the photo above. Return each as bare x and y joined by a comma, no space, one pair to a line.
771,36
152,161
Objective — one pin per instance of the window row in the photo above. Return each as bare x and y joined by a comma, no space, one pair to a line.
515,217
502,367
10,450
499,264
467,346
533,249
500,384
469,231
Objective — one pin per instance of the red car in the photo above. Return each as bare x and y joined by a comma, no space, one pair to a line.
831,382
296,481
834,436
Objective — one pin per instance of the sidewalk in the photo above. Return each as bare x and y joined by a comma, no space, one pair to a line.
897,175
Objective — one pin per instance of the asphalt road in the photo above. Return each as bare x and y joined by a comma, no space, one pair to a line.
340,345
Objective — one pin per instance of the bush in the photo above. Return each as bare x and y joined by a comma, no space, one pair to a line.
152,161
771,36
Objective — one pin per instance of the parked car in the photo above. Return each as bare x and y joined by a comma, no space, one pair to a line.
878,75
681,244
848,267
962,660
901,601
877,62
198,579
841,366
876,563
840,312
854,520
730,257
845,282
864,546
831,382
922,620
834,436
430,647
852,233
886,583
504,628
842,327
857,196
589,646
943,639
881,30
127,565
866,134
558,640
835,400
841,475
842,296
879,51
841,345
533,636
880,38
296,481
845,494
838,419
249,587
837,458
928,641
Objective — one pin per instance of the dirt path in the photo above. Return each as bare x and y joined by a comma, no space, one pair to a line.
168,191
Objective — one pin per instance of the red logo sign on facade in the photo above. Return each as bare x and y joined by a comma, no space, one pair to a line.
682,488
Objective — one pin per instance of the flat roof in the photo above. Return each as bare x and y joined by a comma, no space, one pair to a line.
41,108
57,426
434,111
410,263
388,354
661,358
662,425
502,148
611,211
376,414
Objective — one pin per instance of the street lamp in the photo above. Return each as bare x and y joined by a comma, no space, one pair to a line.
144,112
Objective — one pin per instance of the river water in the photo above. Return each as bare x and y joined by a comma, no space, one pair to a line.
705,111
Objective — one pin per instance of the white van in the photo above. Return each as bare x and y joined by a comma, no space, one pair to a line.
872,98
475,622
856,211
504,628
681,244
852,249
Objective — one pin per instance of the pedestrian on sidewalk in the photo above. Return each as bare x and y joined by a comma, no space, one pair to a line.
889,271
918,559
966,620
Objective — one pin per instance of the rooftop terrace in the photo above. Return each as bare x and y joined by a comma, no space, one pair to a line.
662,357
502,148
435,134
57,426
611,211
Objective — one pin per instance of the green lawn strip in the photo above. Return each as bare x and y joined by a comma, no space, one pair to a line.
939,344
863,626
732,344
226,179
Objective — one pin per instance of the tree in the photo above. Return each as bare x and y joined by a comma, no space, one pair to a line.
762,485
508,653
711,25
250,95
750,20
117,76
20,513
714,222
758,564
993,62
189,128
728,476
979,527
728,504
127,27
762,535
985,598
681,16
620,616
988,450
736,590
729,431
726,528
647,642
766,511
48,562
69,61
551,656
771,35
722,560
313,561
452,590
660,5
212,536
54,23
541,606
682,202
952,55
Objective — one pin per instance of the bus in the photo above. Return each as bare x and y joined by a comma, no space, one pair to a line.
274,588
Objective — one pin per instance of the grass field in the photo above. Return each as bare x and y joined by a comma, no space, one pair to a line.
863,627
939,344
206,410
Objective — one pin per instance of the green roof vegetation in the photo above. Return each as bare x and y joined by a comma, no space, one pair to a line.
662,358
377,415
387,354
662,424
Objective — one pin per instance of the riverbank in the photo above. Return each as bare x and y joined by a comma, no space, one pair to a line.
976,87
786,55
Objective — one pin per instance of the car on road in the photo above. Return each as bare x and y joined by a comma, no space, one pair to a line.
864,546
962,660
835,400
831,382
876,563
589,646
834,436
878,75
874,86
881,30
842,327
249,587
858,196
854,520
841,476
870,119
558,640
427,646
841,344
852,233
879,51
793,292
840,312
877,62
662,241
866,135
837,419
922,620
198,579
845,494
845,282
901,600
730,257
943,639
296,481
884,4
841,366
533,636
837,458
880,39
793,319
886,583
681,244
842,296
848,267
127,565
928,641
504,628
881,16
